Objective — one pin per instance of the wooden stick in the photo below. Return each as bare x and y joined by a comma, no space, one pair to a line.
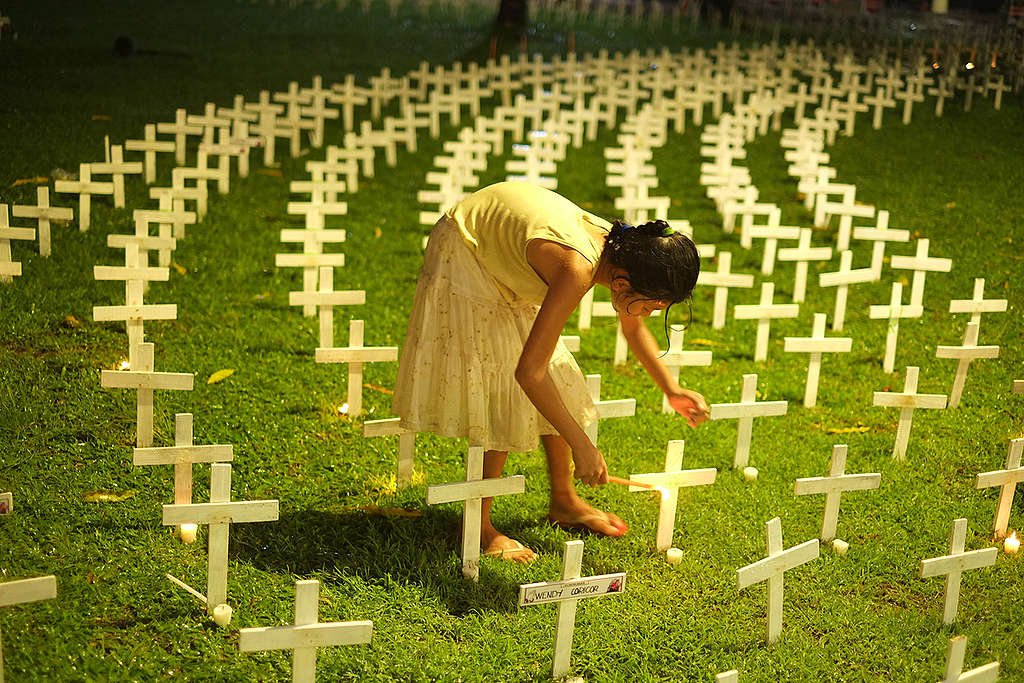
627,482
181,584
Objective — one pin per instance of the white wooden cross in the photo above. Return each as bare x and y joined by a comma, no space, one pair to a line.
43,213
406,446
307,635
136,274
841,280
965,353
1007,479
733,675
815,345
771,233
953,566
921,264
764,312
846,210
833,486
472,492
149,146
325,299
355,354
773,568
976,305
668,483
722,280
180,129
893,312
881,101
220,513
1018,386
745,411
802,253
987,673
675,359
907,402
85,187
8,266
117,168
623,407
879,235
23,591
171,215
312,256
168,222
567,592
182,455
144,380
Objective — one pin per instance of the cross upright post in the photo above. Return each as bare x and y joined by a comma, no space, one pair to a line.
472,492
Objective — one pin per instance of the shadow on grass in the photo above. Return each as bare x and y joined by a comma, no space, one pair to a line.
422,550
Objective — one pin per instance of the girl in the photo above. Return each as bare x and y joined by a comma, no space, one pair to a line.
503,270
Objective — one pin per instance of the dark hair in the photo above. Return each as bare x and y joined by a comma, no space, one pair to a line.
660,263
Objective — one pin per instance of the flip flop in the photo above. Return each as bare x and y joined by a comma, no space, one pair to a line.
512,552
584,522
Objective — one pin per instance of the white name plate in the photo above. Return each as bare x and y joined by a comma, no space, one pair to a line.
572,589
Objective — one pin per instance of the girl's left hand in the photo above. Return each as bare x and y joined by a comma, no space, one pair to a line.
690,405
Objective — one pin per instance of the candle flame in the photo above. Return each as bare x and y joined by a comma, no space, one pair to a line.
662,490
343,409
124,364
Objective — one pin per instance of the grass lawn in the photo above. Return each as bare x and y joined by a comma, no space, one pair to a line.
381,553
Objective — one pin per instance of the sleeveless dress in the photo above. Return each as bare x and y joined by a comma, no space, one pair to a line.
475,303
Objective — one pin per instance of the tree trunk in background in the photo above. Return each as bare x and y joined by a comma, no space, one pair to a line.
512,16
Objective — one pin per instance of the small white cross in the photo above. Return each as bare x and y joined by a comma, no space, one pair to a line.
307,635
745,411
953,566
668,483
472,492
907,402
773,568
833,487
1007,479
815,345
220,513
893,312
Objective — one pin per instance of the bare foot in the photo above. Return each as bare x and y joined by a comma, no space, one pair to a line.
495,544
577,514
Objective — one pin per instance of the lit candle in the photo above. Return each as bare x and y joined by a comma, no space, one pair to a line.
674,556
222,615
750,473
840,546
1011,544
188,532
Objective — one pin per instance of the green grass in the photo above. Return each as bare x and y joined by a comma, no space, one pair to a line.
865,616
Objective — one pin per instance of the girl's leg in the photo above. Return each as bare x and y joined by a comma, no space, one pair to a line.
492,541
566,506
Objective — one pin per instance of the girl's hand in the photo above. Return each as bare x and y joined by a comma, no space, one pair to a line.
690,405
589,465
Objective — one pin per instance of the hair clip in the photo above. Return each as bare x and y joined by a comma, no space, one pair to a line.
668,231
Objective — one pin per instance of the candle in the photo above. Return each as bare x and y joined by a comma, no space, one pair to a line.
222,615
1011,544
674,555
750,473
840,546
188,532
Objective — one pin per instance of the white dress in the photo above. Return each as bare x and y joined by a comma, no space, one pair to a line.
456,373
